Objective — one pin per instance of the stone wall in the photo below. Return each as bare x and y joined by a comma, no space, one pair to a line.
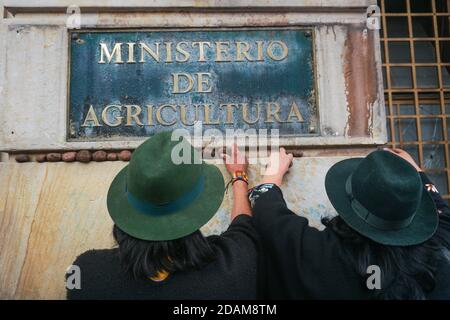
51,212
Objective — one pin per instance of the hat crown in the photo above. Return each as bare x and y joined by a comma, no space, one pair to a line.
154,177
387,186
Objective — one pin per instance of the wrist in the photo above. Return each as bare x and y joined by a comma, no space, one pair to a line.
239,184
238,177
275,179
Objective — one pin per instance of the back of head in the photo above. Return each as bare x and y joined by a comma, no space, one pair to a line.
408,272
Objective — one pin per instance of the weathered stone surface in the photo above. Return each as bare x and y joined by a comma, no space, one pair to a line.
31,258
69,156
22,158
83,156
194,4
41,157
99,155
43,95
54,157
112,156
125,155
296,152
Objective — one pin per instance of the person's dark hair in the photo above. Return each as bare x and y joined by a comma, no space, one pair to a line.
142,259
408,272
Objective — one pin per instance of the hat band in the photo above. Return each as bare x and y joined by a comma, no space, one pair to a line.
372,219
169,207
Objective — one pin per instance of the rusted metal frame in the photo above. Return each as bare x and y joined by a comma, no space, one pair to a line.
421,64
388,74
441,93
422,116
416,143
414,80
402,39
399,125
415,14
409,90
426,101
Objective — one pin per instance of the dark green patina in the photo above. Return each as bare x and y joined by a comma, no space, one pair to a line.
252,83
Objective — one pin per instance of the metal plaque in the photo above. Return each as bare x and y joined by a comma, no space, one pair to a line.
130,84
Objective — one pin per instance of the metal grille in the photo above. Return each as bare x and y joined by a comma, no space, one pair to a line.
415,45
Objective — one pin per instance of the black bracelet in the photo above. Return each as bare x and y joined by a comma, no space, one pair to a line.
233,180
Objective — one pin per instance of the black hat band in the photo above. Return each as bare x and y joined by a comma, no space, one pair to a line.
372,219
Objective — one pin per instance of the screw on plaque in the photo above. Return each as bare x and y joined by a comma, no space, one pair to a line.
307,34
76,37
312,129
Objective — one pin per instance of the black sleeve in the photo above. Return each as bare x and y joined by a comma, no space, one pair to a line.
242,231
296,252
271,216
443,210
237,250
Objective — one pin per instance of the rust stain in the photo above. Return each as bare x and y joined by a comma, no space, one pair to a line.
360,70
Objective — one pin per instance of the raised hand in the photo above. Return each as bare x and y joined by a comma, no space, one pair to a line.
279,164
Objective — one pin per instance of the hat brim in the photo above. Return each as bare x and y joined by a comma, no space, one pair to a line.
169,226
422,227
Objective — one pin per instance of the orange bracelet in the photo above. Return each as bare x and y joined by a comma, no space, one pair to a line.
239,175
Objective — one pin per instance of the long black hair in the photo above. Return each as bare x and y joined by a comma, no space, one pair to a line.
142,259
408,272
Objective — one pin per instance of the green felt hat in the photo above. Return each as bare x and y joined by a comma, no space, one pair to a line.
383,198
155,199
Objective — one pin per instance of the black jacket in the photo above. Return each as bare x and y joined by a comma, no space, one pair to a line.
232,275
301,262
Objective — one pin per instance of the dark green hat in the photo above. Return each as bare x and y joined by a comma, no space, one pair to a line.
155,199
383,198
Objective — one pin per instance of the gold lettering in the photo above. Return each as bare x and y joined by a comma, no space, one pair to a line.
118,119
242,48
168,51
245,108
117,52
222,49
201,49
179,49
131,52
133,115
207,115
270,114
284,52
149,114
230,107
159,117
183,115
260,44
176,82
295,112
152,53
203,78
91,117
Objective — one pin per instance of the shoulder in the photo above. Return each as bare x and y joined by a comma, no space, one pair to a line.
241,229
95,258
235,266
240,240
